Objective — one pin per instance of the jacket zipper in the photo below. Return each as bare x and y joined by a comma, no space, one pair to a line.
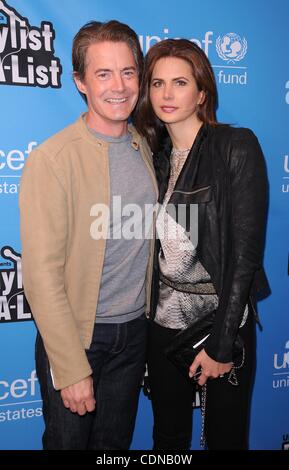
191,192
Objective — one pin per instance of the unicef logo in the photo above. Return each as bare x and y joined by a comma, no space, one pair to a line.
231,47
284,362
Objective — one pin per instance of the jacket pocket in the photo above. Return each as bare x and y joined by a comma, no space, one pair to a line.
195,196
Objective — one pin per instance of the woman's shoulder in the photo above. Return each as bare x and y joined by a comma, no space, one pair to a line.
230,133
237,146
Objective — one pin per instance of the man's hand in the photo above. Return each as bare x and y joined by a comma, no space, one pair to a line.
79,397
208,368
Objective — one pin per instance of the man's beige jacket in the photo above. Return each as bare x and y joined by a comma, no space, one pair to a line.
61,261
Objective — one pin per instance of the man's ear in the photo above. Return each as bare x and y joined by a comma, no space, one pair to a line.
79,83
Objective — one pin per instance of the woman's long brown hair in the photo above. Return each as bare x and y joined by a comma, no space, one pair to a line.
145,119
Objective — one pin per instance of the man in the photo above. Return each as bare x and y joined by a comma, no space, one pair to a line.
84,274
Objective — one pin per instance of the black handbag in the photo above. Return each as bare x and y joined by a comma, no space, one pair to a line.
184,347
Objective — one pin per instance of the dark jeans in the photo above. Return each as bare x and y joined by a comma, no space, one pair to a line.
227,406
117,358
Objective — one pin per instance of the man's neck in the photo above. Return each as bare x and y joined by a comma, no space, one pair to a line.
111,129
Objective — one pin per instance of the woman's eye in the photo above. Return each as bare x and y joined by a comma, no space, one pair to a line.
156,84
181,83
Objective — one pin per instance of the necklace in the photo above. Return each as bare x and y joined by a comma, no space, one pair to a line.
180,152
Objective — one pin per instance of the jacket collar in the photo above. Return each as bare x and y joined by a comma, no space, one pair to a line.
87,135
196,169
136,138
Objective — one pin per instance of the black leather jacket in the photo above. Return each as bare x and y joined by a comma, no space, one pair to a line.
225,175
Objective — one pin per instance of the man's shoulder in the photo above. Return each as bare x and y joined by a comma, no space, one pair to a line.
58,142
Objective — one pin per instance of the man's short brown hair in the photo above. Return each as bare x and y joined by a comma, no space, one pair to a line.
94,32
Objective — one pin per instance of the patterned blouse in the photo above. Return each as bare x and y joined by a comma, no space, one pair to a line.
179,264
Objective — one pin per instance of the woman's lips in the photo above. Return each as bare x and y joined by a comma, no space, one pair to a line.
168,109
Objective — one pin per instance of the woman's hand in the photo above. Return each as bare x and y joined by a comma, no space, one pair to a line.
208,368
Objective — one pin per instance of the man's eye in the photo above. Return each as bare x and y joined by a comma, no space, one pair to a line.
129,73
102,76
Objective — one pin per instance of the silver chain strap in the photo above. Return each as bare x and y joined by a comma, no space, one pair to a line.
232,375
232,379
203,393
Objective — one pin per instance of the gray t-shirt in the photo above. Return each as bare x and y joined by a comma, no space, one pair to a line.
122,289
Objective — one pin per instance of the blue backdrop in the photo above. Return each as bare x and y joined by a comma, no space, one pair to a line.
248,45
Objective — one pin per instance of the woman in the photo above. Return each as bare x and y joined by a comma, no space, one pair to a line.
207,264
